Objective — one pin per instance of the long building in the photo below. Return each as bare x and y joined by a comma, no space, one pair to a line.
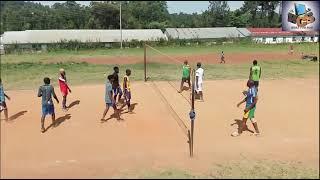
276,35
258,35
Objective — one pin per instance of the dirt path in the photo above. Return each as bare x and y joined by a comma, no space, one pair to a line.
82,147
232,58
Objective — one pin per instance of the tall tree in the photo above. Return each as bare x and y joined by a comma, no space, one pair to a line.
219,13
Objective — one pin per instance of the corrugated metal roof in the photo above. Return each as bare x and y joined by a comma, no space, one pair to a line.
53,36
203,33
244,31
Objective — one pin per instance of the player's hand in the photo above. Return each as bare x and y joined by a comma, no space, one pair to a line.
246,110
238,104
69,90
8,98
58,101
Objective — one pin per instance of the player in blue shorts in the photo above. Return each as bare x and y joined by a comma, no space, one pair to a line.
46,91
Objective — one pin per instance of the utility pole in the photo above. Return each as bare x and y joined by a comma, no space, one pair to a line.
120,28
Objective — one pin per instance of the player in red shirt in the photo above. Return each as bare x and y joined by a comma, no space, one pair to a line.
64,88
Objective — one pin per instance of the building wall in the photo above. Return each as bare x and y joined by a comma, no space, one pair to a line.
285,39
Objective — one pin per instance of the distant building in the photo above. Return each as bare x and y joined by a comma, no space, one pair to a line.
100,36
276,35
205,33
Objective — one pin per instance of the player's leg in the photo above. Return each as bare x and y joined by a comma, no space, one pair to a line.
115,92
52,113
64,102
242,126
116,111
105,111
128,102
181,85
189,83
5,110
44,113
120,93
253,121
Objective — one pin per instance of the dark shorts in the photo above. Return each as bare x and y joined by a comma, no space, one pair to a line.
256,83
127,94
186,79
117,90
47,109
110,104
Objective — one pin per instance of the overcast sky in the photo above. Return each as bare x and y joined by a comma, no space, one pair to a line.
173,6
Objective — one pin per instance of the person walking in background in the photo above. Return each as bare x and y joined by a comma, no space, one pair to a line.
222,58
3,105
255,73
116,85
46,91
291,49
64,88
199,80
185,75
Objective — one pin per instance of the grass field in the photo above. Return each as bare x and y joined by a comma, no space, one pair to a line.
244,169
71,55
30,75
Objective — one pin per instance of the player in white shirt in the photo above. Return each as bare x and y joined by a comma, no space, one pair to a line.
199,80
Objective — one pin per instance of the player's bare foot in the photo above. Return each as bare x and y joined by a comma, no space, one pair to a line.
43,130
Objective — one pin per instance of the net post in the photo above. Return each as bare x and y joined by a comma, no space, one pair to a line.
145,62
192,109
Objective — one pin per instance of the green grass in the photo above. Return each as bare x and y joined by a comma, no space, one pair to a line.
30,75
186,50
242,170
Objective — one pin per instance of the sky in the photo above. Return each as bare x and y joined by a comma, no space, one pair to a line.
173,6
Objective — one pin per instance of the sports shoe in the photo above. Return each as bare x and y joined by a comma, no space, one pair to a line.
235,134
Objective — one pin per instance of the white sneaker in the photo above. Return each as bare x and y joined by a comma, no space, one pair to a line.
235,134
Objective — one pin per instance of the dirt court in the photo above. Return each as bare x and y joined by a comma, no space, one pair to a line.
83,147
213,58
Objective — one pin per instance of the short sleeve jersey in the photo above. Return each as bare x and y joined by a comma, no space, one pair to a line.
46,92
108,92
251,94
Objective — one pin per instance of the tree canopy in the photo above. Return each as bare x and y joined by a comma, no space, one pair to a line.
24,15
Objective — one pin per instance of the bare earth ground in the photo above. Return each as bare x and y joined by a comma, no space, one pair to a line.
231,58
82,147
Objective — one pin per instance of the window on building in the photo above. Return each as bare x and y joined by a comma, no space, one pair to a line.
263,39
274,39
293,38
302,38
312,38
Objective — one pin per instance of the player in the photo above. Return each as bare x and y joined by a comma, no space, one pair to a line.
64,88
127,90
291,49
46,91
251,100
3,105
222,58
109,100
199,80
255,73
185,75
116,85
